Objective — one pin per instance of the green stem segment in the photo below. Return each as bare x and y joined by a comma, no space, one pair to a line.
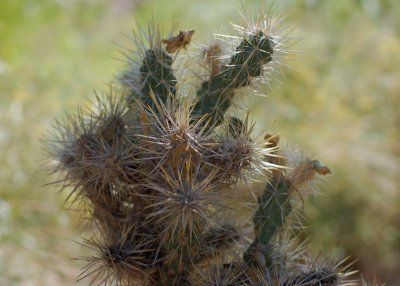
273,209
216,94
156,76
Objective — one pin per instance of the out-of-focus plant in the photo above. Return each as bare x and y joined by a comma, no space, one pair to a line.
158,170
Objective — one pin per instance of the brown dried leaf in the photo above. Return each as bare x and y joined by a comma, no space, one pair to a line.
177,42
319,168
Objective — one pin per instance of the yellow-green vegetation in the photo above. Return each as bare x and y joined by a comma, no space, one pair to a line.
341,103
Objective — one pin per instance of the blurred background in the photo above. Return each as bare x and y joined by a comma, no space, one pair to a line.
339,100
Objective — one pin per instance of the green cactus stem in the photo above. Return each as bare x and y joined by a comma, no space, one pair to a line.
273,208
215,95
156,76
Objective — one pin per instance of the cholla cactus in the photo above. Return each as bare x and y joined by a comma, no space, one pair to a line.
163,176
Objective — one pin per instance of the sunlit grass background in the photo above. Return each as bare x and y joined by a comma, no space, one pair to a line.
339,101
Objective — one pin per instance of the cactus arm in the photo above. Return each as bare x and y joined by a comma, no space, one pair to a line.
215,95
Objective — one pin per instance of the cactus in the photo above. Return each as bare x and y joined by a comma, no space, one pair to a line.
160,176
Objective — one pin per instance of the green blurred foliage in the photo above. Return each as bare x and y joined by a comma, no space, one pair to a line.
339,100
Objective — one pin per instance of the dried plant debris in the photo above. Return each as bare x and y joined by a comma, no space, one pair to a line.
179,41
